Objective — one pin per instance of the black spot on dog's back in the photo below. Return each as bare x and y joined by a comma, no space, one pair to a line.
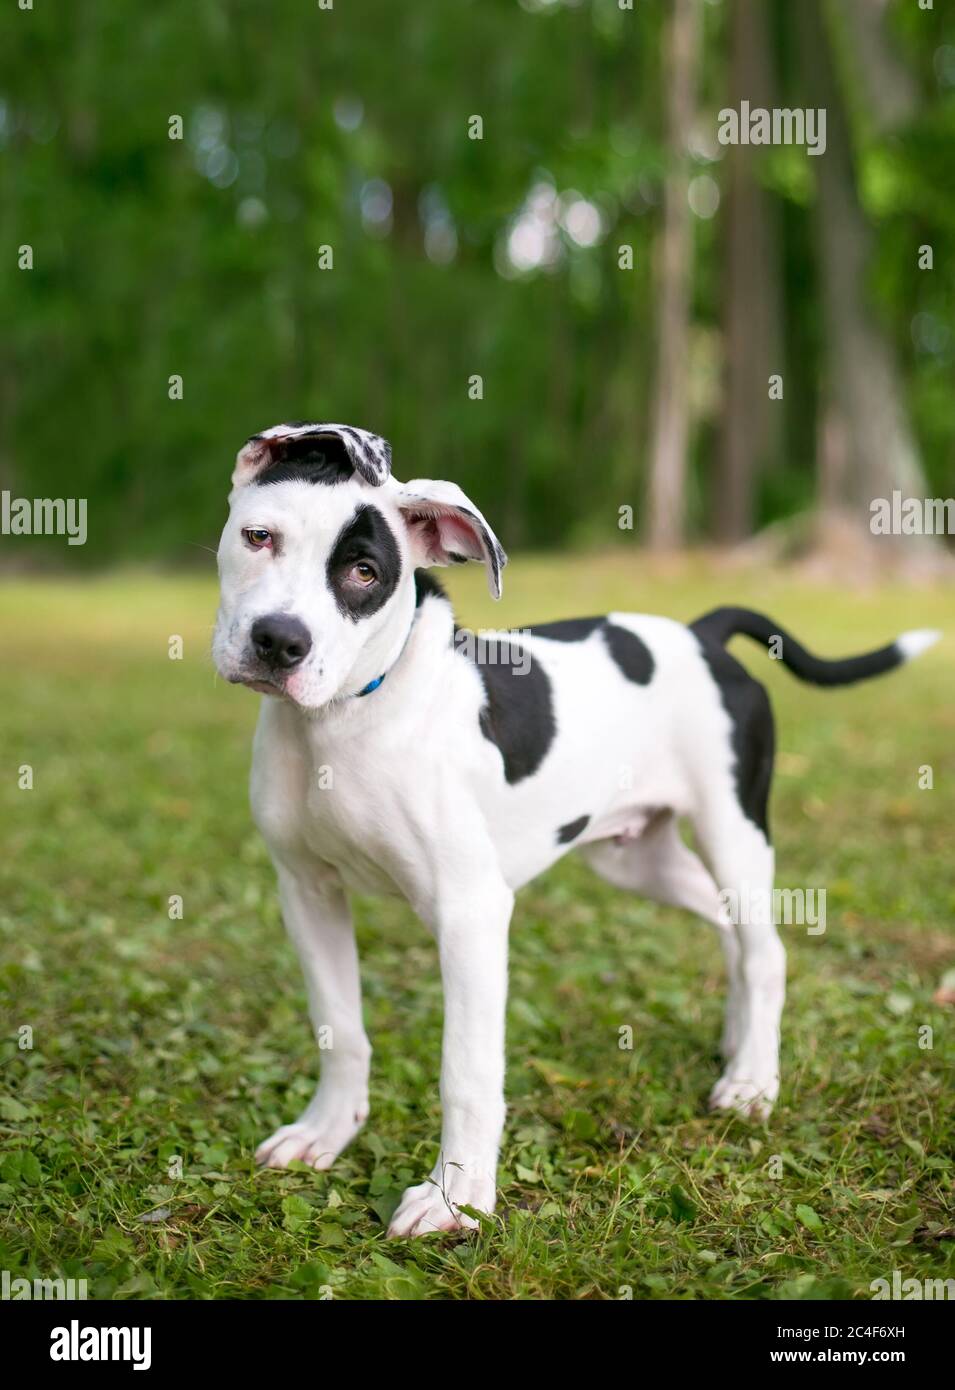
630,653
572,829
518,714
569,629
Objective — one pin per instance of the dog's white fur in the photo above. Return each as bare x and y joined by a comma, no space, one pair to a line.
400,792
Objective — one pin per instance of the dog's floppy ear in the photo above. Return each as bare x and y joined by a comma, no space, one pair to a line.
446,528
336,449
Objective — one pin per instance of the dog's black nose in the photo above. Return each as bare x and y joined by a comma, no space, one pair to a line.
281,641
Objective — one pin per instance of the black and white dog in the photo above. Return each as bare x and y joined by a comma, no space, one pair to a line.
404,757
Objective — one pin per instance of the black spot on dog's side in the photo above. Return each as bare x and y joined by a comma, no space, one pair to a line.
754,739
308,459
426,586
631,655
569,629
518,714
572,829
366,537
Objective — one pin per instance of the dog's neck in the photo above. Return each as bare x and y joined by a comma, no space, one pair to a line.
379,658
402,655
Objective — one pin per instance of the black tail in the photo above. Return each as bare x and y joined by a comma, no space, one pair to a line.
724,623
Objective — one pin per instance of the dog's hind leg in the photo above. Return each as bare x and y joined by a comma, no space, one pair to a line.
731,827
318,920
743,864
661,866
657,865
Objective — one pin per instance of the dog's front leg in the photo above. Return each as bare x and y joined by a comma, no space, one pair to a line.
318,921
471,925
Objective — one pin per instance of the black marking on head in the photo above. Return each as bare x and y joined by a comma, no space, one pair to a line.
371,453
359,446
367,536
518,714
572,829
426,586
569,629
325,453
631,654
750,712
307,459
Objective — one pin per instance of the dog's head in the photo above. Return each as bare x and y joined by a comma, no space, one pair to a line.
317,560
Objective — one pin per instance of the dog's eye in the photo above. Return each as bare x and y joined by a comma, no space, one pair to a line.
257,537
363,573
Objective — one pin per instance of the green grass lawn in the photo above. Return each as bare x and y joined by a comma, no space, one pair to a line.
156,1039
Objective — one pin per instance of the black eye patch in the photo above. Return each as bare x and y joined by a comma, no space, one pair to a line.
366,537
308,459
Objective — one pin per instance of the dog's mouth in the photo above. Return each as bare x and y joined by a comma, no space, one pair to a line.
264,687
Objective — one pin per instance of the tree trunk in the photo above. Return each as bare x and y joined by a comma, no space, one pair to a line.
890,92
667,480
751,427
878,451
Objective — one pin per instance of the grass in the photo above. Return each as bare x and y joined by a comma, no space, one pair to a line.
159,1044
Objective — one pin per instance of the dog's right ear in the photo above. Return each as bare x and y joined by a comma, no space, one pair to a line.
324,452
445,527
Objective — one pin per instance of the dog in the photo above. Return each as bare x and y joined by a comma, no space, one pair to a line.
399,755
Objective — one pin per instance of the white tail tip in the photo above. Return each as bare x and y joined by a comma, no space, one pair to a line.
913,644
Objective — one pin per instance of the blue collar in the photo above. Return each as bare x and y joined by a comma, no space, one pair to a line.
372,685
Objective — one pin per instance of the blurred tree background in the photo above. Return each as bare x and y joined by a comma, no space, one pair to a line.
610,376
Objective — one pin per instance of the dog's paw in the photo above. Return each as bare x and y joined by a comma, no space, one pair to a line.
748,1096
315,1138
434,1205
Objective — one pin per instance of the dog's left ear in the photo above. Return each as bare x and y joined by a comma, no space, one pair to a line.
337,448
446,528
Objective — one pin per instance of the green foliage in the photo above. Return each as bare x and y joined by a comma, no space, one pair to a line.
200,257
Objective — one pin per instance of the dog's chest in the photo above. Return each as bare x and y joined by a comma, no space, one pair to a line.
362,809
313,799
351,822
